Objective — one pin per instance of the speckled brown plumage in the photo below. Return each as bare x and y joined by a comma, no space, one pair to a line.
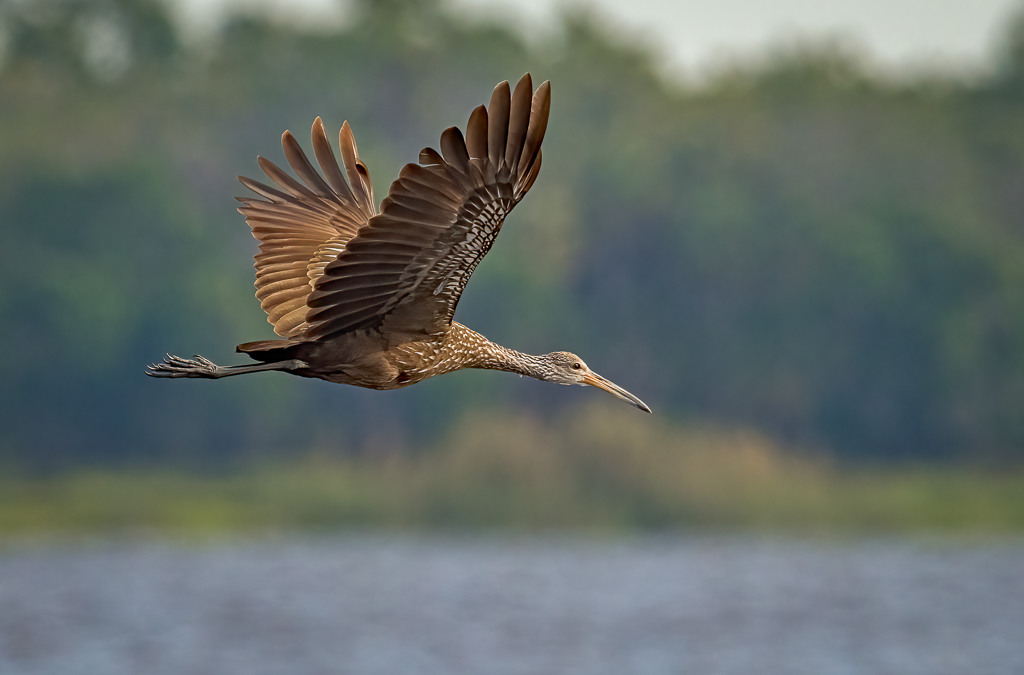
367,298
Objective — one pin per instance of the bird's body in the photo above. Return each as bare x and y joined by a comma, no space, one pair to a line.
366,359
366,298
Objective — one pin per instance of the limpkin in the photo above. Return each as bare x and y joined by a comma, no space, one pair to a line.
366,297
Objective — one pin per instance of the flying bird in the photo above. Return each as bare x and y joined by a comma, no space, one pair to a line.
367,297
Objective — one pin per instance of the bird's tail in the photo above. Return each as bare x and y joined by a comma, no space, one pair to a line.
269,350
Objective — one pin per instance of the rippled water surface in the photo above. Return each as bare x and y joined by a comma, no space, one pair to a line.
548,605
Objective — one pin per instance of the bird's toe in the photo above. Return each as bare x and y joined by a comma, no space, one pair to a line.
175,366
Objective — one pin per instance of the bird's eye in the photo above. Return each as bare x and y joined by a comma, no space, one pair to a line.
576,366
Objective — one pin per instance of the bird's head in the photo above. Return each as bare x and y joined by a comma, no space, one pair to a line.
567,368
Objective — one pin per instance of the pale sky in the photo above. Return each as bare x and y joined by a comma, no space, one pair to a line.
693,34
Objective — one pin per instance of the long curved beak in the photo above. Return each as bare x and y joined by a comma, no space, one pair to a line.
595,380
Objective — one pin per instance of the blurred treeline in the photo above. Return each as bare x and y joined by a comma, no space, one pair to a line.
798,245
597,471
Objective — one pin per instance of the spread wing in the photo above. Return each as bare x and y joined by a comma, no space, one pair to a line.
302,228
406,270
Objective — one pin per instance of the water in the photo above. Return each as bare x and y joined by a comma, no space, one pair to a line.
537,605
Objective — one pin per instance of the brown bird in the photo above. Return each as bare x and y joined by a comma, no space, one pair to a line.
366,298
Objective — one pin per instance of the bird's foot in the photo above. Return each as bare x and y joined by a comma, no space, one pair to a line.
175,366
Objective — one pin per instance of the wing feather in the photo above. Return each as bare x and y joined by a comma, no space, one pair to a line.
302,166
303,227
358,176
519,121
540,108
453,148
429,156
476,133
325,157
406,270
497,128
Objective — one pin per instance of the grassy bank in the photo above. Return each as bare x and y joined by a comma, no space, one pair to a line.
603,470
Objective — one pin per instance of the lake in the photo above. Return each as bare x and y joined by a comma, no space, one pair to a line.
543,605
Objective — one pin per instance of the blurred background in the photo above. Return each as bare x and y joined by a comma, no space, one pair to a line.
795,229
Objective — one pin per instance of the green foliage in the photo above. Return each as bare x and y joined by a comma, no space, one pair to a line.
796,247
602,469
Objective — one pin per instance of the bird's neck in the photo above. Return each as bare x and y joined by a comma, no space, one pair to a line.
483,353
511,361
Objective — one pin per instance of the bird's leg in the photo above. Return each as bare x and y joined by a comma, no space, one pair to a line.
175,366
